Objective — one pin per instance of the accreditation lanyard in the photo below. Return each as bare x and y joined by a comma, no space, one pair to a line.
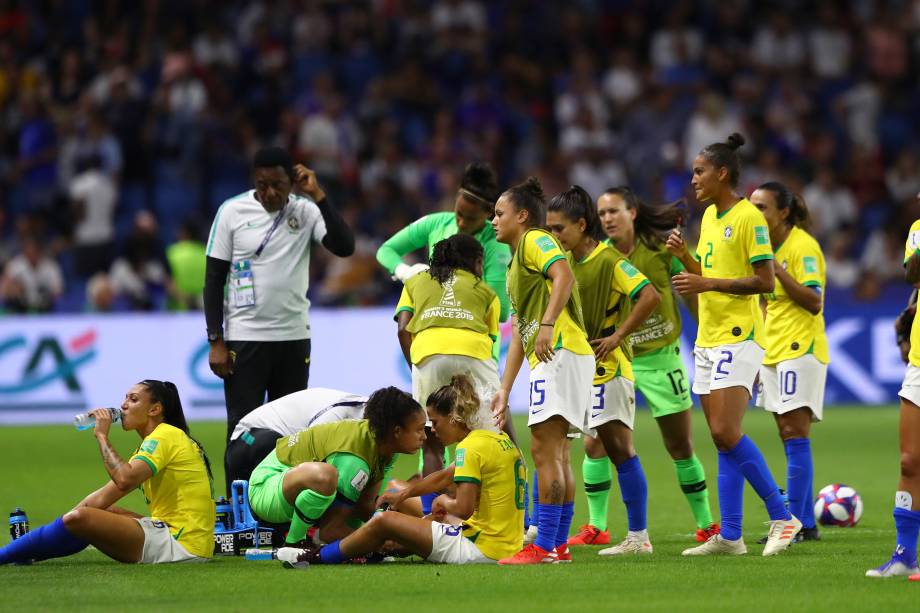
271,231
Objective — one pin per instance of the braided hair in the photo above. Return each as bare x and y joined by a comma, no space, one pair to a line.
458,251
166,394
725,155
388,408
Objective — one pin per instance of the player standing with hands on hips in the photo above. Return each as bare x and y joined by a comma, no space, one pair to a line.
259,247
733,264
907,499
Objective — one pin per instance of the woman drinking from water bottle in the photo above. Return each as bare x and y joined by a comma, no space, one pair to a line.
174,474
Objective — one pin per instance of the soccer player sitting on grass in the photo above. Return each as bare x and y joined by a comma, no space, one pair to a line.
171,469
338,465
490,480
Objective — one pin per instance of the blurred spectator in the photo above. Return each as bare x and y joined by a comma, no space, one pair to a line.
186,258
903,179
778,45
882,259
829,43
711,123
100,295
32,280
139,274
829,203
841,268
93,197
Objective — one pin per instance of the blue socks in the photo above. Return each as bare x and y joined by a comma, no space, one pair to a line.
907,523
755,470
565,523
332,553
731,496
548,518
48,541
427,501
634,490
799,476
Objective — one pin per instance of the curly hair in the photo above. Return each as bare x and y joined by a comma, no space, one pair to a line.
459,401
458,251
388,408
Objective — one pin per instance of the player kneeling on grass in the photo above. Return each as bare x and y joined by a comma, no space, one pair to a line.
171,469
490,480
342,462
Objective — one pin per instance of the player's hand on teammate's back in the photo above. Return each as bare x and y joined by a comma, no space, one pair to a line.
543,346
306,182
676,245
500,408
689,283
603,346
220,360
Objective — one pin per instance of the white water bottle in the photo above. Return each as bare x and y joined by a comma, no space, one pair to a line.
85,421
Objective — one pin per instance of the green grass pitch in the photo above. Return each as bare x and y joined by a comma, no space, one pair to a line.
48,469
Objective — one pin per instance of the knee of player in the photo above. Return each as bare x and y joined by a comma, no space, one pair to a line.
910,465
679,449
326,480
75,518
789,431
725,436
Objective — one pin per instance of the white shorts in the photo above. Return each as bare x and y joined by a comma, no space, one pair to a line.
613,400
561,387
910,389
725,366
159,545
435,371
793,384
449,546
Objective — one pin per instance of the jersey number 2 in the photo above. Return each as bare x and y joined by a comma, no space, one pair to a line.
707,255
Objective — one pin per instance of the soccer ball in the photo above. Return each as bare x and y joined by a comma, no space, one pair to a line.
838,505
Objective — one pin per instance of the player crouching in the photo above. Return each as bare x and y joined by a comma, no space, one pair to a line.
490,480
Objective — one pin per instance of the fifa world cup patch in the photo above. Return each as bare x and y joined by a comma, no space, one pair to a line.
545,244
149,446
460,457
810,263
359,480
761,235
628,268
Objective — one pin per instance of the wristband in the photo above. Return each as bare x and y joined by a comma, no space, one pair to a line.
548,325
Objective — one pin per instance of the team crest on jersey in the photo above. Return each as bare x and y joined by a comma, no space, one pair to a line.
786,265
293,223
913,240
727,234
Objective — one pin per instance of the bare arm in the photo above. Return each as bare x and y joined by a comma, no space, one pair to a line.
806,297
761,282
405,337
563,282
125,475
104,497
678,248
513,362
435,482
464,503
912,269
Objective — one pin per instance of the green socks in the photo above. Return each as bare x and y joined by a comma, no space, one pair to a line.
309,506
598,477
692,479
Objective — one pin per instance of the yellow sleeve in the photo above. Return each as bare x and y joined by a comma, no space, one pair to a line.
807,266
468,464
405,303
156,451
627,279
492,318
756,238
541,251
913,241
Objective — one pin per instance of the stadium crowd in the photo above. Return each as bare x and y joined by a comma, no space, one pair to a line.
123,126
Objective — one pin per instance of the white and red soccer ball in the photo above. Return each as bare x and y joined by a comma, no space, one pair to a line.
838,505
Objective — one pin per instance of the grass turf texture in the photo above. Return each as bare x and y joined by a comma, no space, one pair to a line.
48,469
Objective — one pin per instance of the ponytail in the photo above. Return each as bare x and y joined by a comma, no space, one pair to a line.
528,196
786,199
653,223
459,401
575,203
165,393
725,155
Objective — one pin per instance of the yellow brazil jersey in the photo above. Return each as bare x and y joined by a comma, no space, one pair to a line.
452,338
912,247
492,461
730,243
791,331
605,280
537,252
179,492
